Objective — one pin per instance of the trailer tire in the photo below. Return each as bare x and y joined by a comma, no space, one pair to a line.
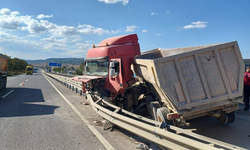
5,82
223,118
162,115
128,102
231,117
1,83
153,106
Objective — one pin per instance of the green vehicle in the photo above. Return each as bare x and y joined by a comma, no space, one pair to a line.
29,70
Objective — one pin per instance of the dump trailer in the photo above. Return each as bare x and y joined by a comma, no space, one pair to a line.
173,85
3,71
194,81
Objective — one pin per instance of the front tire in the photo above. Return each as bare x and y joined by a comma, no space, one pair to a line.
128,102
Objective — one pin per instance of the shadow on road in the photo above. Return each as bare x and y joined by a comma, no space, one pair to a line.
19,103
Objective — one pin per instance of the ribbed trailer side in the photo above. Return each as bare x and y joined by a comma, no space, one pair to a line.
193,77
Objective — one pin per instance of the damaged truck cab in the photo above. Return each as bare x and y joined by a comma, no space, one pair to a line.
108,67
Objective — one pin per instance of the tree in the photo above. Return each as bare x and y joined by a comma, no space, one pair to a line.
79,71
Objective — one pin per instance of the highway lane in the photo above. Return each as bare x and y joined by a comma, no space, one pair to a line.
35,116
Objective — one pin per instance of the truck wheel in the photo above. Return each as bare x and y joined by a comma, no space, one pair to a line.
128,102
223,119
231,117
162,115
5,83
1,83
153,106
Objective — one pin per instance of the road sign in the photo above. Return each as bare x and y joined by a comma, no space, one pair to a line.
55,64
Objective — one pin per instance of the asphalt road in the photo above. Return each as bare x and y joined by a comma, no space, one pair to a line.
35,116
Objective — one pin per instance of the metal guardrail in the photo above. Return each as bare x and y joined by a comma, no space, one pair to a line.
170,137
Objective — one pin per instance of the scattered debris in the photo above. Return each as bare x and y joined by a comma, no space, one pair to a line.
95,121
142,146
107,125
41,117
85,103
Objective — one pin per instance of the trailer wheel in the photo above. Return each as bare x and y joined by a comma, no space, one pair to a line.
231,117
162,115
223,118
4,83
153,106
128,102
1,83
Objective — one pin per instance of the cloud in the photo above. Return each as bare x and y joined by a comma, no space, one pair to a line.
36,34
13,21
32,35
83,45
144,30
131,28
158,34
55,40
61,40
124,2
11,24
14,13
153,13
5,11
167,12
41,16
198,24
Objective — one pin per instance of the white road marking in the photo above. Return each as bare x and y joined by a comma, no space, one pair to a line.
92,128
27,80
7,94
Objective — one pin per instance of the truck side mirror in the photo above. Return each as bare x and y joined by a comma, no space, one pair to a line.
112,73
112,64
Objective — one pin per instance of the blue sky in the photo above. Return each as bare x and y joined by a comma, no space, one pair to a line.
31,29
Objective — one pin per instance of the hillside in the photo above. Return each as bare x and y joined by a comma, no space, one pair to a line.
64,61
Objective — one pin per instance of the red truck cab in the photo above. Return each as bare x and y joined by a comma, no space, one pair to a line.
110,62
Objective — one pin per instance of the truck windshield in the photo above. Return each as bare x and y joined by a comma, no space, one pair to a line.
97,68
29,69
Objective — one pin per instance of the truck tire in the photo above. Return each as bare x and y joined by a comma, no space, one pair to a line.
162,115
1,83
5,83
223,118
231,117
153,106
226,118
128,102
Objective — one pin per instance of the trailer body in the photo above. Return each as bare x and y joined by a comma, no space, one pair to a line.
3,71
195,81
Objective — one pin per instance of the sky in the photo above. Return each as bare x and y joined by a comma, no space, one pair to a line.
32,29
